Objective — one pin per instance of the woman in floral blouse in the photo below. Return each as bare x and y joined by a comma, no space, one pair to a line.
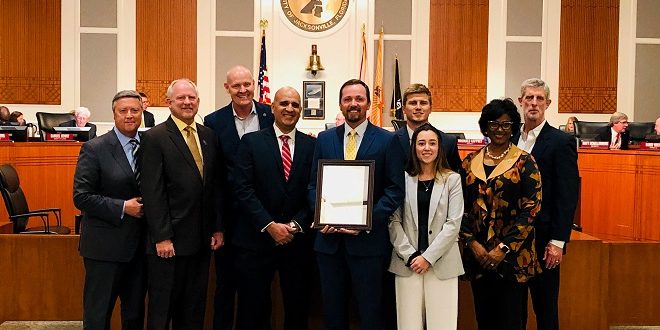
502,193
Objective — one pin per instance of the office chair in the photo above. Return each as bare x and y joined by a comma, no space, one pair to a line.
587,130
458,135
47,121
18,210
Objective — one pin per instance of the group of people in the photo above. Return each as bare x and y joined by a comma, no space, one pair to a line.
11,118
242,187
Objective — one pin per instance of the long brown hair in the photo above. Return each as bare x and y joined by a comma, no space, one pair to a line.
414,168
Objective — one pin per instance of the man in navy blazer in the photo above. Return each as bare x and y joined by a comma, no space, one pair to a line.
556,156
351,258
417,103
113,229
273,231
241,116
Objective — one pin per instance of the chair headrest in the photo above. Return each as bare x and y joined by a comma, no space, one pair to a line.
47,120
9,178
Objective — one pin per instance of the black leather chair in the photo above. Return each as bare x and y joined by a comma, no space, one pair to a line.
18,210
330,125
587,130
396,123
458,135
639,130
48,120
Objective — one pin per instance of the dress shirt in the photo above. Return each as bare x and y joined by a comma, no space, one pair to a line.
181,126
292,139
360,129
528,140
126,145
248,124
613,139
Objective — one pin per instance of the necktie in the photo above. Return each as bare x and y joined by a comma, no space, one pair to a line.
135,145
351,146
286,156
617,142
192,145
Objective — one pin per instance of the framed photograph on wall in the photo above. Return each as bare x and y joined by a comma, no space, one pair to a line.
313,100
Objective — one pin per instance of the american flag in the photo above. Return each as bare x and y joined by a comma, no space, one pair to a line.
264,88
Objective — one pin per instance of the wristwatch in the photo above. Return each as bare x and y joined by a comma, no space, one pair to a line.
504,248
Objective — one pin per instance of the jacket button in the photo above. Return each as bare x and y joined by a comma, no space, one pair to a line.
430,232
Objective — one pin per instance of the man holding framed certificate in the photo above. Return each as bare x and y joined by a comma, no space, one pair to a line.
353,257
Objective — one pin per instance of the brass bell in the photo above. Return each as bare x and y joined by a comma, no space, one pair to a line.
314,64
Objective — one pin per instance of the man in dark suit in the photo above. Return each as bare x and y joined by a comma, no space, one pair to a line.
417,103
149,120
556,156
351,258
182,203
241,116
82,115
273,231
113,230
616,132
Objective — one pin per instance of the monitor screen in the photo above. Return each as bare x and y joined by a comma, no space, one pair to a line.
80,133
13,133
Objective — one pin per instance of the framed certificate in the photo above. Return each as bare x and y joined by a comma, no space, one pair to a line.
313,99
344,194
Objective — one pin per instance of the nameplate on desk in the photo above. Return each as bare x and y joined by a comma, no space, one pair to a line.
471,142
5,137
59,137
595,145
649,146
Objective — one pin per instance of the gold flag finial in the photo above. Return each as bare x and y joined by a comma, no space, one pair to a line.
263,23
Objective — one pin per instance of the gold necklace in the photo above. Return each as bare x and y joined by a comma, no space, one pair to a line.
501,155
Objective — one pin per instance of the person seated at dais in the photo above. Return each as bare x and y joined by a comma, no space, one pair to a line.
616,132
82,115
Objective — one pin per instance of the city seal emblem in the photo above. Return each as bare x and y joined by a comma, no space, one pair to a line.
314,15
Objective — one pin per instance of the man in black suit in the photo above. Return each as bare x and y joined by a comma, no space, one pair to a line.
556,156
352,258
180,185
82,115
149,120
241,116
113,230
417,103
616,132
272,173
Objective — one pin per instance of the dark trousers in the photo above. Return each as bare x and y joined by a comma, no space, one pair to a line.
255,272
104,282
225,288
544,287
339,272
177,291
498,302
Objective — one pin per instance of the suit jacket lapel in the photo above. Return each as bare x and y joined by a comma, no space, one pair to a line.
436,193
301,149
541,142
276,153
367,139
118,154
204,145
180,144
339,142
404,140
228,119
262,115
411,192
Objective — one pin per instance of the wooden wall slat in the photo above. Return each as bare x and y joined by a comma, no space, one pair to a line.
30,44
166,45
588,53
458,54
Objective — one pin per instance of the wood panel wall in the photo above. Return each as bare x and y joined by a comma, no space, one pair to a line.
588,56
166,45
30,34
458,54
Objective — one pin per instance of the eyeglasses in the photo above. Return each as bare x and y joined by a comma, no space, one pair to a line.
493,125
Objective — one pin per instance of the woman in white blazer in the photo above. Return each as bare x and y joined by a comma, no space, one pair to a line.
424,233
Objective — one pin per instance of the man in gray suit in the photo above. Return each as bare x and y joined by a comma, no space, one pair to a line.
106,189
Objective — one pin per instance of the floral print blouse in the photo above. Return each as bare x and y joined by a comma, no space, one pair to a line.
501,208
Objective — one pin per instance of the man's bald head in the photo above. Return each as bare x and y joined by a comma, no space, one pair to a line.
240,86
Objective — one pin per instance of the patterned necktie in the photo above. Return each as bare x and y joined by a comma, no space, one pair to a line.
617,142
192,145
286,156
351,146
135,145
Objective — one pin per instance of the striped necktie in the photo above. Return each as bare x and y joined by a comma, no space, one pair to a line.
135,145
286,156
351,146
